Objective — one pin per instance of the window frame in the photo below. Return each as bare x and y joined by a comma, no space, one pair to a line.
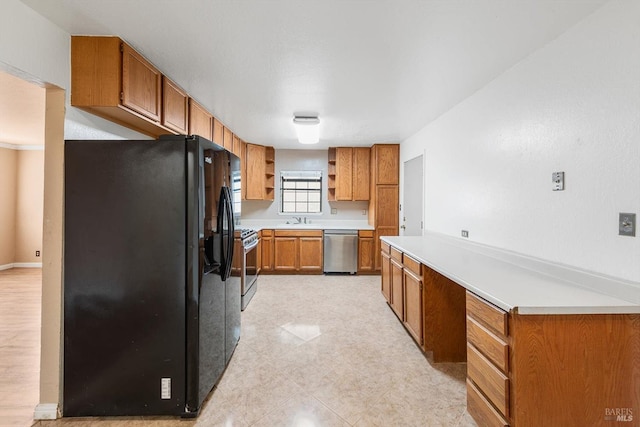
301,176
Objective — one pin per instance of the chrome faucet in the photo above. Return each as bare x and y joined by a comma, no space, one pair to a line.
298,219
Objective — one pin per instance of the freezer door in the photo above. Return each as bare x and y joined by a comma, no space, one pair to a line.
124,278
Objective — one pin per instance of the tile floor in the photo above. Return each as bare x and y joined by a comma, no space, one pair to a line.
321,351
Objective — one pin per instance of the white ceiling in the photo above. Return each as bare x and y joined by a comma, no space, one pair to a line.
373,70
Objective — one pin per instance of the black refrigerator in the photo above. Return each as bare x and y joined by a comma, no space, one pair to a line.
151,310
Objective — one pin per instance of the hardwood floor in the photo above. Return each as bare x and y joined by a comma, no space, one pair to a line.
20,302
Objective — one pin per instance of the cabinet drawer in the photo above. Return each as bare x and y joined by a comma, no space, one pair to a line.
493,347
481,410
488,314
385,248
412,264
266,233
366,233
396,254
493,383
298,233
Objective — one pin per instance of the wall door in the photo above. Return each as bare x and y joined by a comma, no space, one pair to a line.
413,197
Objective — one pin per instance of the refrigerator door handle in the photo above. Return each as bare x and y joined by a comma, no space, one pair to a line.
221,233
231,239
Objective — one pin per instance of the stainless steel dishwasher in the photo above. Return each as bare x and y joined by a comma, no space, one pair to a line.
340,251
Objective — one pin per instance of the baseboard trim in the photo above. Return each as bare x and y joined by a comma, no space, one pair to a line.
6,267
46,411
27,264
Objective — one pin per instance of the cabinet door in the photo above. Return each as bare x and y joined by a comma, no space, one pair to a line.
141,84
228,139
200,121
175,107
413,305
365,254
386,275
397,289
361,173
267,253
236,145
310,254
218,132
255,172
344,173
285,250
387,164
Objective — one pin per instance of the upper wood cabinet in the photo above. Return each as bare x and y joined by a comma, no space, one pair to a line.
349,172
218,132
200,120
228,139
113,81
260,170
237,142
141,84
175,107
386,163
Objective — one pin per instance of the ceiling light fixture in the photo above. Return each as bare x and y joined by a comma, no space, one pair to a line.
307,128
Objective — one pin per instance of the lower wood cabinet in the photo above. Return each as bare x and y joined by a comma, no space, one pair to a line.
298,251
366,250
397,289
413,298
266,251
386,271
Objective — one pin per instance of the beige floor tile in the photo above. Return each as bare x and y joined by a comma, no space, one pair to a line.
314,351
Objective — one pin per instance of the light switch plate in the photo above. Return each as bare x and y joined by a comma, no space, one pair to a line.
465,233
627,224
558,181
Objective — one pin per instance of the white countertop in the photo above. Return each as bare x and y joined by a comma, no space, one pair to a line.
281,224
515,282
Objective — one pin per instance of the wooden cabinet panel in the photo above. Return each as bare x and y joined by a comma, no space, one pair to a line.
218,132
267,250
243,169
491,316
413,309
361,173
387,164
175,107
310,254
344,173
141,84
366,248
236,145
97,85
348,173
492,347
227,139
255,172
481,410
285,250
493,383
200,121
386,275
397,289
298,233
388,206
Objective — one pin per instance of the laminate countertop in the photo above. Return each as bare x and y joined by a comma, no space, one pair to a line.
518,283
313,225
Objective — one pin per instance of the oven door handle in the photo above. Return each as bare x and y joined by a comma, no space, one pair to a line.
251,246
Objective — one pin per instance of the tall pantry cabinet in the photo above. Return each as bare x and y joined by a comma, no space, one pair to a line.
384,203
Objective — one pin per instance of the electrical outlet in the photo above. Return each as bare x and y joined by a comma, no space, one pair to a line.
37,253
558,181
627,224
364,211
465,233
334,211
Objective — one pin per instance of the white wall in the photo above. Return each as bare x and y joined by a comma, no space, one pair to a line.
572,106
303,160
